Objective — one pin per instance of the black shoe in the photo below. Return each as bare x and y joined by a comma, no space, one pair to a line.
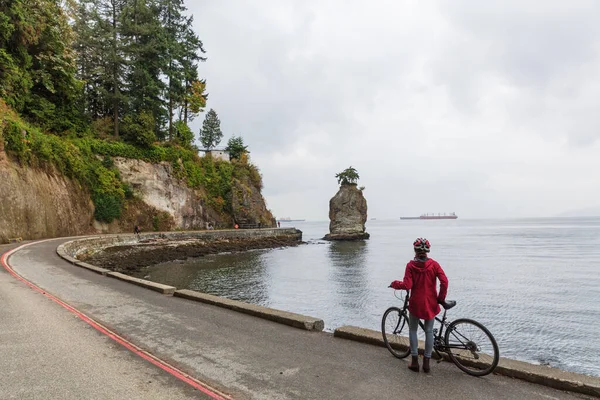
426,368
414,365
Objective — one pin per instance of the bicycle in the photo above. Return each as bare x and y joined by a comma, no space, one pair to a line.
477,356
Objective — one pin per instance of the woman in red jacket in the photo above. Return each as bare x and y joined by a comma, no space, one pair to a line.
420,278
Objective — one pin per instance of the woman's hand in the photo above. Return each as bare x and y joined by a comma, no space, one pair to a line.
398,285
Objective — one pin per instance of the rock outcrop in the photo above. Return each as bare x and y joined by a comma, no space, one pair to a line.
37,203
347,214
249,207
156,185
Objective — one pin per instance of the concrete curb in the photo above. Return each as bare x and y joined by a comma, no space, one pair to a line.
282,317
546,376
98,270
60,250
157,287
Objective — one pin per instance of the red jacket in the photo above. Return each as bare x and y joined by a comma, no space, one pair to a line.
420,279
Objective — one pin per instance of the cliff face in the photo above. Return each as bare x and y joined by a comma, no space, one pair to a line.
347,214
37,204
249,206
156,186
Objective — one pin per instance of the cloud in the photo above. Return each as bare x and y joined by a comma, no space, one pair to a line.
483,108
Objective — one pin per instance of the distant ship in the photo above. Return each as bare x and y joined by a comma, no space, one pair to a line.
433,216
288,219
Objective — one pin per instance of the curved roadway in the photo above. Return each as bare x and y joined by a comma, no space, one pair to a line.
47,352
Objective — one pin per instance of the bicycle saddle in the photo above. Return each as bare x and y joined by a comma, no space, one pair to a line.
448,304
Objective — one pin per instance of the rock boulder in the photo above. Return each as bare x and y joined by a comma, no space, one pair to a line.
347,214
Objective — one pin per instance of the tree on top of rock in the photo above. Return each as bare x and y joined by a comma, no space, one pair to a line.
211,135
349,176
236,147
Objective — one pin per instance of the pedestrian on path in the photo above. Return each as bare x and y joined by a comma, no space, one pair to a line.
420,278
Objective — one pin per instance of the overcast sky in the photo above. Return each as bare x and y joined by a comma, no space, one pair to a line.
484,108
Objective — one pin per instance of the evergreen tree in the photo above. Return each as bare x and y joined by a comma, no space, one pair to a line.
182,47
211,135
145,46
194,99
235,147
101,60
112,12
37,63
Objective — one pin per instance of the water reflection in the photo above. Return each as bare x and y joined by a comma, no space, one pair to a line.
349,274
241,276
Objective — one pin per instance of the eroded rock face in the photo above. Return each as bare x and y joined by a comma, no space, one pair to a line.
249,207
37,203
347,215
159,188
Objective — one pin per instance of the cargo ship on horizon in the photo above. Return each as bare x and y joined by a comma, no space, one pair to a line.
288,219
433,216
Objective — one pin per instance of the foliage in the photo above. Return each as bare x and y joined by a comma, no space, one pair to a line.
139,129
183,134
349,176
37,64
109,78
211,135
32,148
195,100
236,147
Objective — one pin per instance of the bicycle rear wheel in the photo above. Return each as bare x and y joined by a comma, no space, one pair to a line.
394,327
472,347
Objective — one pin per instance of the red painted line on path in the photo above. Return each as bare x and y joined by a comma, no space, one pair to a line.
201,386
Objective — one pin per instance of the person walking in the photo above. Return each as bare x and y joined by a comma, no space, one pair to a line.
420,277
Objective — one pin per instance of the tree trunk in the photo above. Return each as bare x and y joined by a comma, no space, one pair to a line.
170,112
115,71
185,103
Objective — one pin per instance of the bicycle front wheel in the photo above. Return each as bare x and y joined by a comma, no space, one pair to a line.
472,347
394,327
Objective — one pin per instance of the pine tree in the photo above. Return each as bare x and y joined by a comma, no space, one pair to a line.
182,47
145,44
37,63
194,99
101,58
236,147
211,135
113,10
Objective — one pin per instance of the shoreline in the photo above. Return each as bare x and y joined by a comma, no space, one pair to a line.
539,374
134,258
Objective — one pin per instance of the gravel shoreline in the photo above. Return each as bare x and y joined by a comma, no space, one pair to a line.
131,259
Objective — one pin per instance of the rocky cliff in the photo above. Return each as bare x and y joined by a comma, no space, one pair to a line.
38,203
347,214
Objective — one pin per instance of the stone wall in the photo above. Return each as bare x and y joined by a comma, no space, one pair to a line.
96,243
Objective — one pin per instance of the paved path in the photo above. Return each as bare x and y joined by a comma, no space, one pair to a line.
51,352
46,352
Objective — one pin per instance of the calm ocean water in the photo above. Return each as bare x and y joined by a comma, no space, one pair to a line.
534,283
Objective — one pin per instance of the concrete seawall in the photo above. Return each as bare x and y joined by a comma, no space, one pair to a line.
70,250
96,243
542,375
539,374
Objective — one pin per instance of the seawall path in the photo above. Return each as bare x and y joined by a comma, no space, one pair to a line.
50,354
